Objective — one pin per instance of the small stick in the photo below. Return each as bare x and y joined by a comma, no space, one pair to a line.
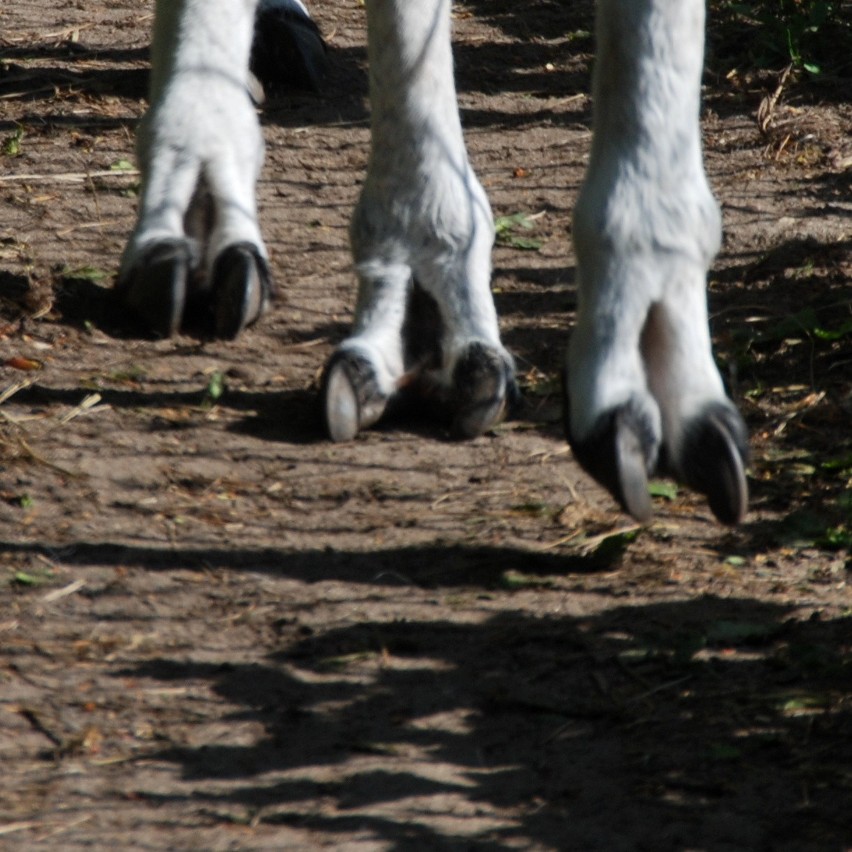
69,177
88,403
58,594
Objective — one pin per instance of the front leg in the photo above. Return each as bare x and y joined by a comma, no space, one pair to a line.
421,237
641,385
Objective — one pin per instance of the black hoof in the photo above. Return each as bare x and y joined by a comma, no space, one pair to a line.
350,395
154,289
240,289
483,391
713,461
620,453
288,51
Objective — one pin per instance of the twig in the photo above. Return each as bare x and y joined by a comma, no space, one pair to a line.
591,544
58,594
767,106
648,693
88,403
12,827
32,455
67,826
13,389
69,177
37,725
306,344
560,541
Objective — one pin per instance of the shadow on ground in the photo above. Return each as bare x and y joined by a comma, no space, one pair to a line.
703,723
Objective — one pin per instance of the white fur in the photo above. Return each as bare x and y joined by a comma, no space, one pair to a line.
646,225
422,213
201,125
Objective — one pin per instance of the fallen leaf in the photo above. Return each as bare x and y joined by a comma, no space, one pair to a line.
18,362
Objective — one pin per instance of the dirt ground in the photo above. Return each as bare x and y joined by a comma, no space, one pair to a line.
220,631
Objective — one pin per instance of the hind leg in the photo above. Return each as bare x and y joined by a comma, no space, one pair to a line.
197,245
422,228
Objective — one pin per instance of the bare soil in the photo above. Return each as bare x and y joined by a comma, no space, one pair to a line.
220,631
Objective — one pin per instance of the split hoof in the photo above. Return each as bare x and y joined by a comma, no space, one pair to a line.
483,390
713,461
351,397
240,289
620,454
154,289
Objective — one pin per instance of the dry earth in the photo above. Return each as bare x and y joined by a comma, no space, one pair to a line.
220,631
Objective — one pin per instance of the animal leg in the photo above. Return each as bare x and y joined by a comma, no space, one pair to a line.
421,234
641,384
288,50
197,245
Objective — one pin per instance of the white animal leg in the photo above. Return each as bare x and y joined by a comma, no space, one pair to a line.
421,236
200,152
641,384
